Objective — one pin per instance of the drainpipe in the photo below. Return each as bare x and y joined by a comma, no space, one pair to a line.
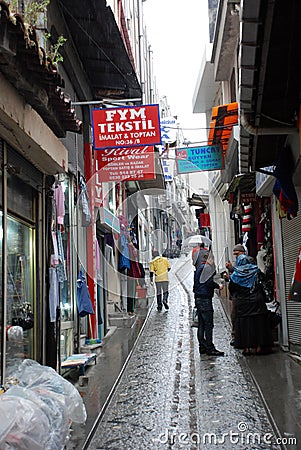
257,131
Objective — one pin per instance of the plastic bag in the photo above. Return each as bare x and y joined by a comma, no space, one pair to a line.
15,334
33,375
43,406
23,425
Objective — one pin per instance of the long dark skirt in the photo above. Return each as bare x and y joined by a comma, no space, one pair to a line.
252,332
252,326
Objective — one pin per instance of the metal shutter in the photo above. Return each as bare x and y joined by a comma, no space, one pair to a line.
291,241
25,170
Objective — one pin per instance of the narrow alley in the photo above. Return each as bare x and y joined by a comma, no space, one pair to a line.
116,150
170,397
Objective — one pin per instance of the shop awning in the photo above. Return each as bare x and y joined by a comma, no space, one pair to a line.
196,200
270,79
246,183
157,185
223,118
101,49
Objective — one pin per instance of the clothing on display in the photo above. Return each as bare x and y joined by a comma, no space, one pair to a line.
84,303
284,188
296,285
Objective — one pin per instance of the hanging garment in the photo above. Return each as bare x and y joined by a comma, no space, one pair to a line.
84,204
55,255
84,303
124,259
134,270
296,285
246,219
260,234
97,254
99,315
59,197
54,300
261,256
284,188
61,267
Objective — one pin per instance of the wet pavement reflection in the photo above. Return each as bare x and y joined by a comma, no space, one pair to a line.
170,397
103,375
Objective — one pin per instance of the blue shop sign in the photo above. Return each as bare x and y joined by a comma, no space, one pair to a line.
196,159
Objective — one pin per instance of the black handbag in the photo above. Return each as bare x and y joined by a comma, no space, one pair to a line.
274,317
23,316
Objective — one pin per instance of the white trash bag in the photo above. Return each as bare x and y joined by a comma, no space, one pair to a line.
39,411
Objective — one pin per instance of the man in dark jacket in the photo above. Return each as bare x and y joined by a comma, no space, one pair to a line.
203,289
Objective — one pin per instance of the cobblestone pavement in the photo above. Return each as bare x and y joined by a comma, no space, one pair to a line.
171,398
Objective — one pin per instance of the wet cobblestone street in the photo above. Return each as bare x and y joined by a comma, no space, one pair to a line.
170,397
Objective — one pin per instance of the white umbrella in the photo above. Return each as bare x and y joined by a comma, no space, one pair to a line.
197,239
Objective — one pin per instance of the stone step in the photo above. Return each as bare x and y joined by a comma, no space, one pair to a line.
121,320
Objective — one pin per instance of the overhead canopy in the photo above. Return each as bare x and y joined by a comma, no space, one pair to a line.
101,49
270,78
196,200
244,182
223,118
157,184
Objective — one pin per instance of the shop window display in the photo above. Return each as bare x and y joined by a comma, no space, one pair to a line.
62,230
18,229
20,291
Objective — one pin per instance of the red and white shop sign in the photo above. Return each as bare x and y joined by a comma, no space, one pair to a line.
119,164
246,197
126,127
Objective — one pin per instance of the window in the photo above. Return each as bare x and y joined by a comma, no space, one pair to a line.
20,292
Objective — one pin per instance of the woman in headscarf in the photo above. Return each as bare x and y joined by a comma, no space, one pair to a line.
252,329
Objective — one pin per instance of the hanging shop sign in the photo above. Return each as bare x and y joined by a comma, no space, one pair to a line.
126,127
198,159
247,197
223,119
97,184
120,164
168,129
108,221
168,166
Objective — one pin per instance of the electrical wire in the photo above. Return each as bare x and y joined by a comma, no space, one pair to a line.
222,127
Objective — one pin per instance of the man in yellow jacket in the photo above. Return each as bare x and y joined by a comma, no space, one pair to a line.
160,266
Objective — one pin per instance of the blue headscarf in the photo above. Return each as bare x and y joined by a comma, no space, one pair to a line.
245,273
